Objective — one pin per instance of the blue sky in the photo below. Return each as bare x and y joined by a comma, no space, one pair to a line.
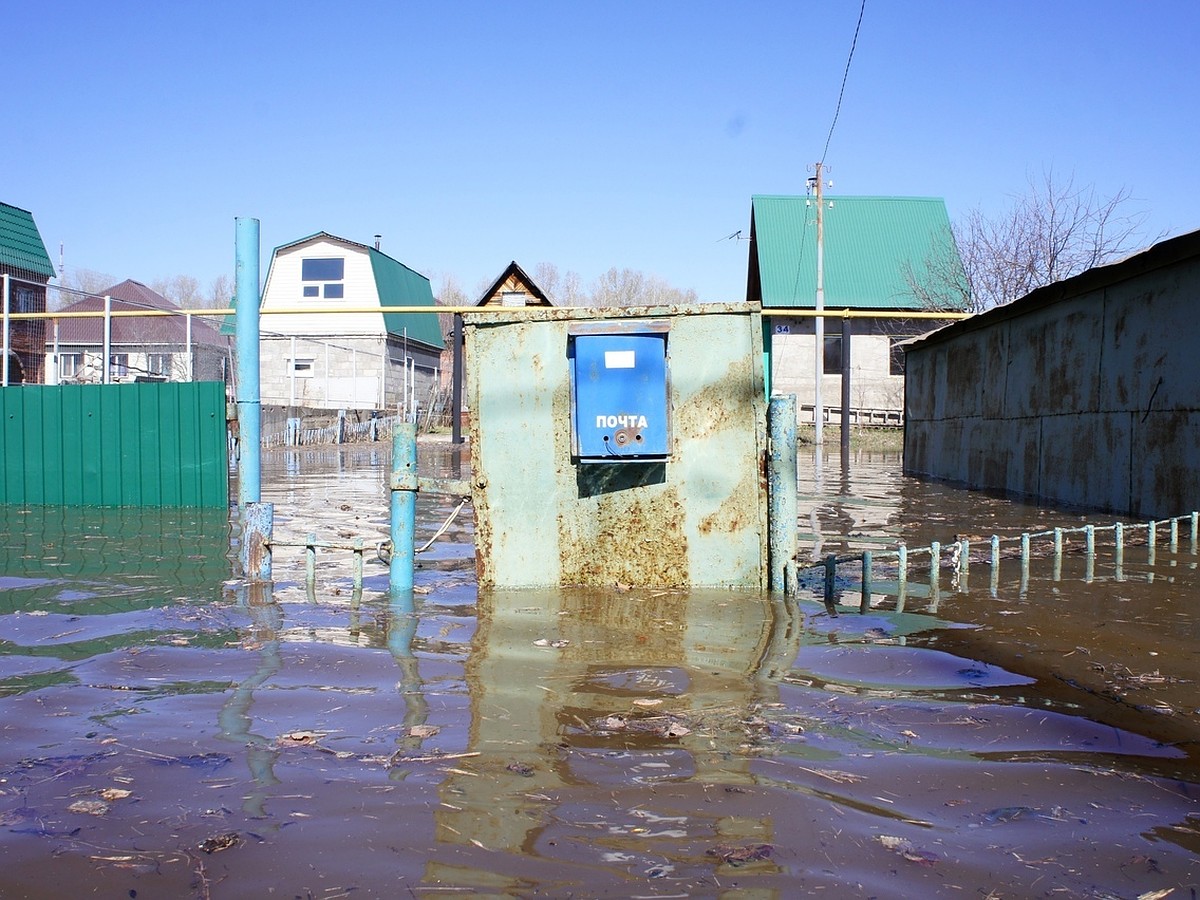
588,135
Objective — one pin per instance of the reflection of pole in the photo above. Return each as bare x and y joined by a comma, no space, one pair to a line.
401,629
234,718
404,507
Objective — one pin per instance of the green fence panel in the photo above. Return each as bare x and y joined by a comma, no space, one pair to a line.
159,445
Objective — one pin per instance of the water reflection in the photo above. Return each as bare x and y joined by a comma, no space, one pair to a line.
594,742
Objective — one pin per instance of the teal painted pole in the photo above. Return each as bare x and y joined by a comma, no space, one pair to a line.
404,507
782,489
249,404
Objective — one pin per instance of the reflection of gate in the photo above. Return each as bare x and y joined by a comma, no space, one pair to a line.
114,445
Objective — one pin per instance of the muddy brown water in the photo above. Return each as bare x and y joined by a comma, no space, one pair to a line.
167,733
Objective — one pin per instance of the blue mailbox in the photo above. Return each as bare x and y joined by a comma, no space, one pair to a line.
619,405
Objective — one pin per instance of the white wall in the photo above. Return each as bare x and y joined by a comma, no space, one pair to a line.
285,290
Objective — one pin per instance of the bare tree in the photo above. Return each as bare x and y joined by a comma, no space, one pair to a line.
627,287
1053,231
183,289
220,292
89,281
449,294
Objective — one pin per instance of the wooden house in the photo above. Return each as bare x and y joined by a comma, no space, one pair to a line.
512,287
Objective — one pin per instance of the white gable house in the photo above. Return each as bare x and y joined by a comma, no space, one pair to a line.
314,355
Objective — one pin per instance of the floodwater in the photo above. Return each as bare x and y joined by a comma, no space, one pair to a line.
169,733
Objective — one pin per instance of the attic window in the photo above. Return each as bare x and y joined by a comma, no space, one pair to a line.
322,269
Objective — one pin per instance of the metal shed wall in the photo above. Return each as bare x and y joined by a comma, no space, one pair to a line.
1085,392
543,519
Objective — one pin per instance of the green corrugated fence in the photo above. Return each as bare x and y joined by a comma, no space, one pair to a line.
150,444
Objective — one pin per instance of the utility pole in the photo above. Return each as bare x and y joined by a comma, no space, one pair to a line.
819,324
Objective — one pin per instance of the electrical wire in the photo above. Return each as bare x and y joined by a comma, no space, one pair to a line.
845,75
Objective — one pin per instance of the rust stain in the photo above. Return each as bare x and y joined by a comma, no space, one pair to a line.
635,538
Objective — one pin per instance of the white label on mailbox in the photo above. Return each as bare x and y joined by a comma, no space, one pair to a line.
618,359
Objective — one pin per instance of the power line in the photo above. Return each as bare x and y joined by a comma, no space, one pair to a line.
845,75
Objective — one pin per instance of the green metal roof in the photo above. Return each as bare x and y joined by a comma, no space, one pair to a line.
398,285
871,244
21,244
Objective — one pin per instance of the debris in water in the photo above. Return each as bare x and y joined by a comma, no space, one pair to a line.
906,849
219,842
739,856
89,807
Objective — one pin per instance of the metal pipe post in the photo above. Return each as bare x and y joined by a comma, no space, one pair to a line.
106,351
403,507
249,404
456,382
5,342
258,521
845,436
782,488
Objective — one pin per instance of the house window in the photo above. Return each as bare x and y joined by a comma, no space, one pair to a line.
303,367
833,355
69,364
896,366
334,291
312,290
158,364
118,365
24,301
322,269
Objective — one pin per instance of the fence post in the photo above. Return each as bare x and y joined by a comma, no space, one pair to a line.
106,344
310,562
403,507
5,342
830,575
781,483
1089,532
866,582
1119,550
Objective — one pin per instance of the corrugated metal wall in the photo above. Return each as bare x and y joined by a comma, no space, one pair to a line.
114,445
